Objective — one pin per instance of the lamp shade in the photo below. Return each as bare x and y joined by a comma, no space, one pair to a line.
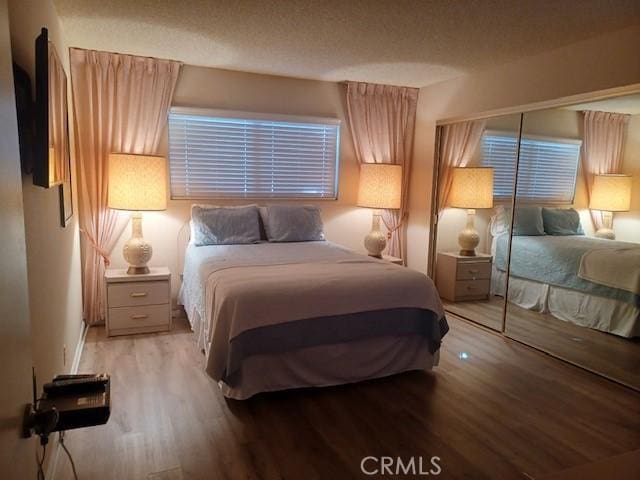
611,193
472,187
380,185
137,182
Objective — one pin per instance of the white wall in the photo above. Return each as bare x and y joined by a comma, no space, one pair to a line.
223,89
599,63
53,252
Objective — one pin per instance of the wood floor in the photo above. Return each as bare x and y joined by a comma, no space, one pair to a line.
608,354
492,409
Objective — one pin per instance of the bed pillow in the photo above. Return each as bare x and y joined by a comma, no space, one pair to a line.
225,225
528,222
561,221
286,223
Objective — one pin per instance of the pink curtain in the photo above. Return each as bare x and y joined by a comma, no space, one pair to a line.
120,104
602,147
458,144
382,121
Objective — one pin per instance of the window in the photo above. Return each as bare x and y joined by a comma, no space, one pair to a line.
547,169
232,155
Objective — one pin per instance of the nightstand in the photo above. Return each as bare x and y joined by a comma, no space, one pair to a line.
460,278
390,259
138,303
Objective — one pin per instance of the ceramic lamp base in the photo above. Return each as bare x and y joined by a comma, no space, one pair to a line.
607,233
469,239
137,251
138,270
607,228
375,242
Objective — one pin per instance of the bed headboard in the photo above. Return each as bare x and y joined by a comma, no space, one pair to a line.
184,235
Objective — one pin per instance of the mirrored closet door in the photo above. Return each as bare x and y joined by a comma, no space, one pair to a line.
476,176
574,262
536,230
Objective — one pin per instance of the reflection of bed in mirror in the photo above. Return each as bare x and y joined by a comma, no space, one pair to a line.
548,276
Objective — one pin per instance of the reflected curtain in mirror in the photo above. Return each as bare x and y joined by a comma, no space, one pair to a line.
604,137
459,142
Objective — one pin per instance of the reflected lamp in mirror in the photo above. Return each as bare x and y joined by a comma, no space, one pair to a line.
471,188
380,188
610,193
137,183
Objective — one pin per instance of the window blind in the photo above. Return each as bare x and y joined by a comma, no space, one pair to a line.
546,172
221,154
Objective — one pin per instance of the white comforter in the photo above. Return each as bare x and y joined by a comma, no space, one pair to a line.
233,289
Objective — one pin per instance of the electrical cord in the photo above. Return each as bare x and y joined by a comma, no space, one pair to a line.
40,462
64,447
40,459
45,423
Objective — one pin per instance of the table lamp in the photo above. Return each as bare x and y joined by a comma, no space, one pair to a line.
380,188
610,193
471,188
137,183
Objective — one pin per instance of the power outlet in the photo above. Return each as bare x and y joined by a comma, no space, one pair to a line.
64,355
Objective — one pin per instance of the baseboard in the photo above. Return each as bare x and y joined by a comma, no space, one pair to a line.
50,471
79,348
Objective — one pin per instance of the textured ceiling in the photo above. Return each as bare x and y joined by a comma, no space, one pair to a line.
401,42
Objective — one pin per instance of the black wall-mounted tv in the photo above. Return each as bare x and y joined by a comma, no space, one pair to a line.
25,113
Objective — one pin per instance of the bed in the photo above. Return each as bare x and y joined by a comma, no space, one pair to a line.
274,316
550,274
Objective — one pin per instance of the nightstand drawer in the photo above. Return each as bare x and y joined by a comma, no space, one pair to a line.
473,270
472,289
138,317
138,293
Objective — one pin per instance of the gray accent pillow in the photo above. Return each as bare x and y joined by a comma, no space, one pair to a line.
528,221
561,221
225,225
286,223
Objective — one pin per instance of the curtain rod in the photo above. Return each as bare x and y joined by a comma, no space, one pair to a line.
127,54
345,82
